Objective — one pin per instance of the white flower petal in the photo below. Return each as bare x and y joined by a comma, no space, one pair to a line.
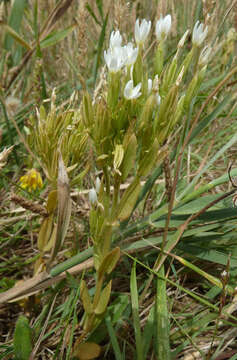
199,33
131,92
149,85
115,39
163,26
142,31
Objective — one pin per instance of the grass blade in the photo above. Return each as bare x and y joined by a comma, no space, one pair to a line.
117,353
136,320
162,331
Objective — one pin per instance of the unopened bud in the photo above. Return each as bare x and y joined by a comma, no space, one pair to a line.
93,196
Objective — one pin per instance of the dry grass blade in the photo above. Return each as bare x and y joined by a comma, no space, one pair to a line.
40,282
64,207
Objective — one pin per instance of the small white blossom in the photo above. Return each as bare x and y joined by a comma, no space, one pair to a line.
199,33
93,196
142,31
163,26
115,59
131,54
204,56
149,85
97,185
115,39
131,92
224,273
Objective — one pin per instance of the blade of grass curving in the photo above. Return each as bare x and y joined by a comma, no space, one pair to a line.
99,4
208,119
184,331
160,212
117,352
208,254
91,12
212,279
204,169
136,320
162,315
73,327
99,48
200,299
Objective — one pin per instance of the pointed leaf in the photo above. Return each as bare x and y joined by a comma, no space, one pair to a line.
22,339
109,262
129,199
104,299
85,297
52,201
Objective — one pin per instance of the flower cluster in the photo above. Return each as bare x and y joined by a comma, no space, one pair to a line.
31,180
117,55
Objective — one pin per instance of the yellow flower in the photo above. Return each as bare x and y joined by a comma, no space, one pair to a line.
31,180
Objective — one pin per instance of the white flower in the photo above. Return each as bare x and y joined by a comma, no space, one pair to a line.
224,273
142,31
199,33
97,185
163,26
115,58
149,85
131,92
131,54
204,56
115,39
93,196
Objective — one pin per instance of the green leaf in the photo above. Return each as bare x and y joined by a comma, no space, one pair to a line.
208,119
130,150
163,327
148,331
109,262
85,297
104,299
149,160
22,339
113,338
56,36
100,48
129,199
